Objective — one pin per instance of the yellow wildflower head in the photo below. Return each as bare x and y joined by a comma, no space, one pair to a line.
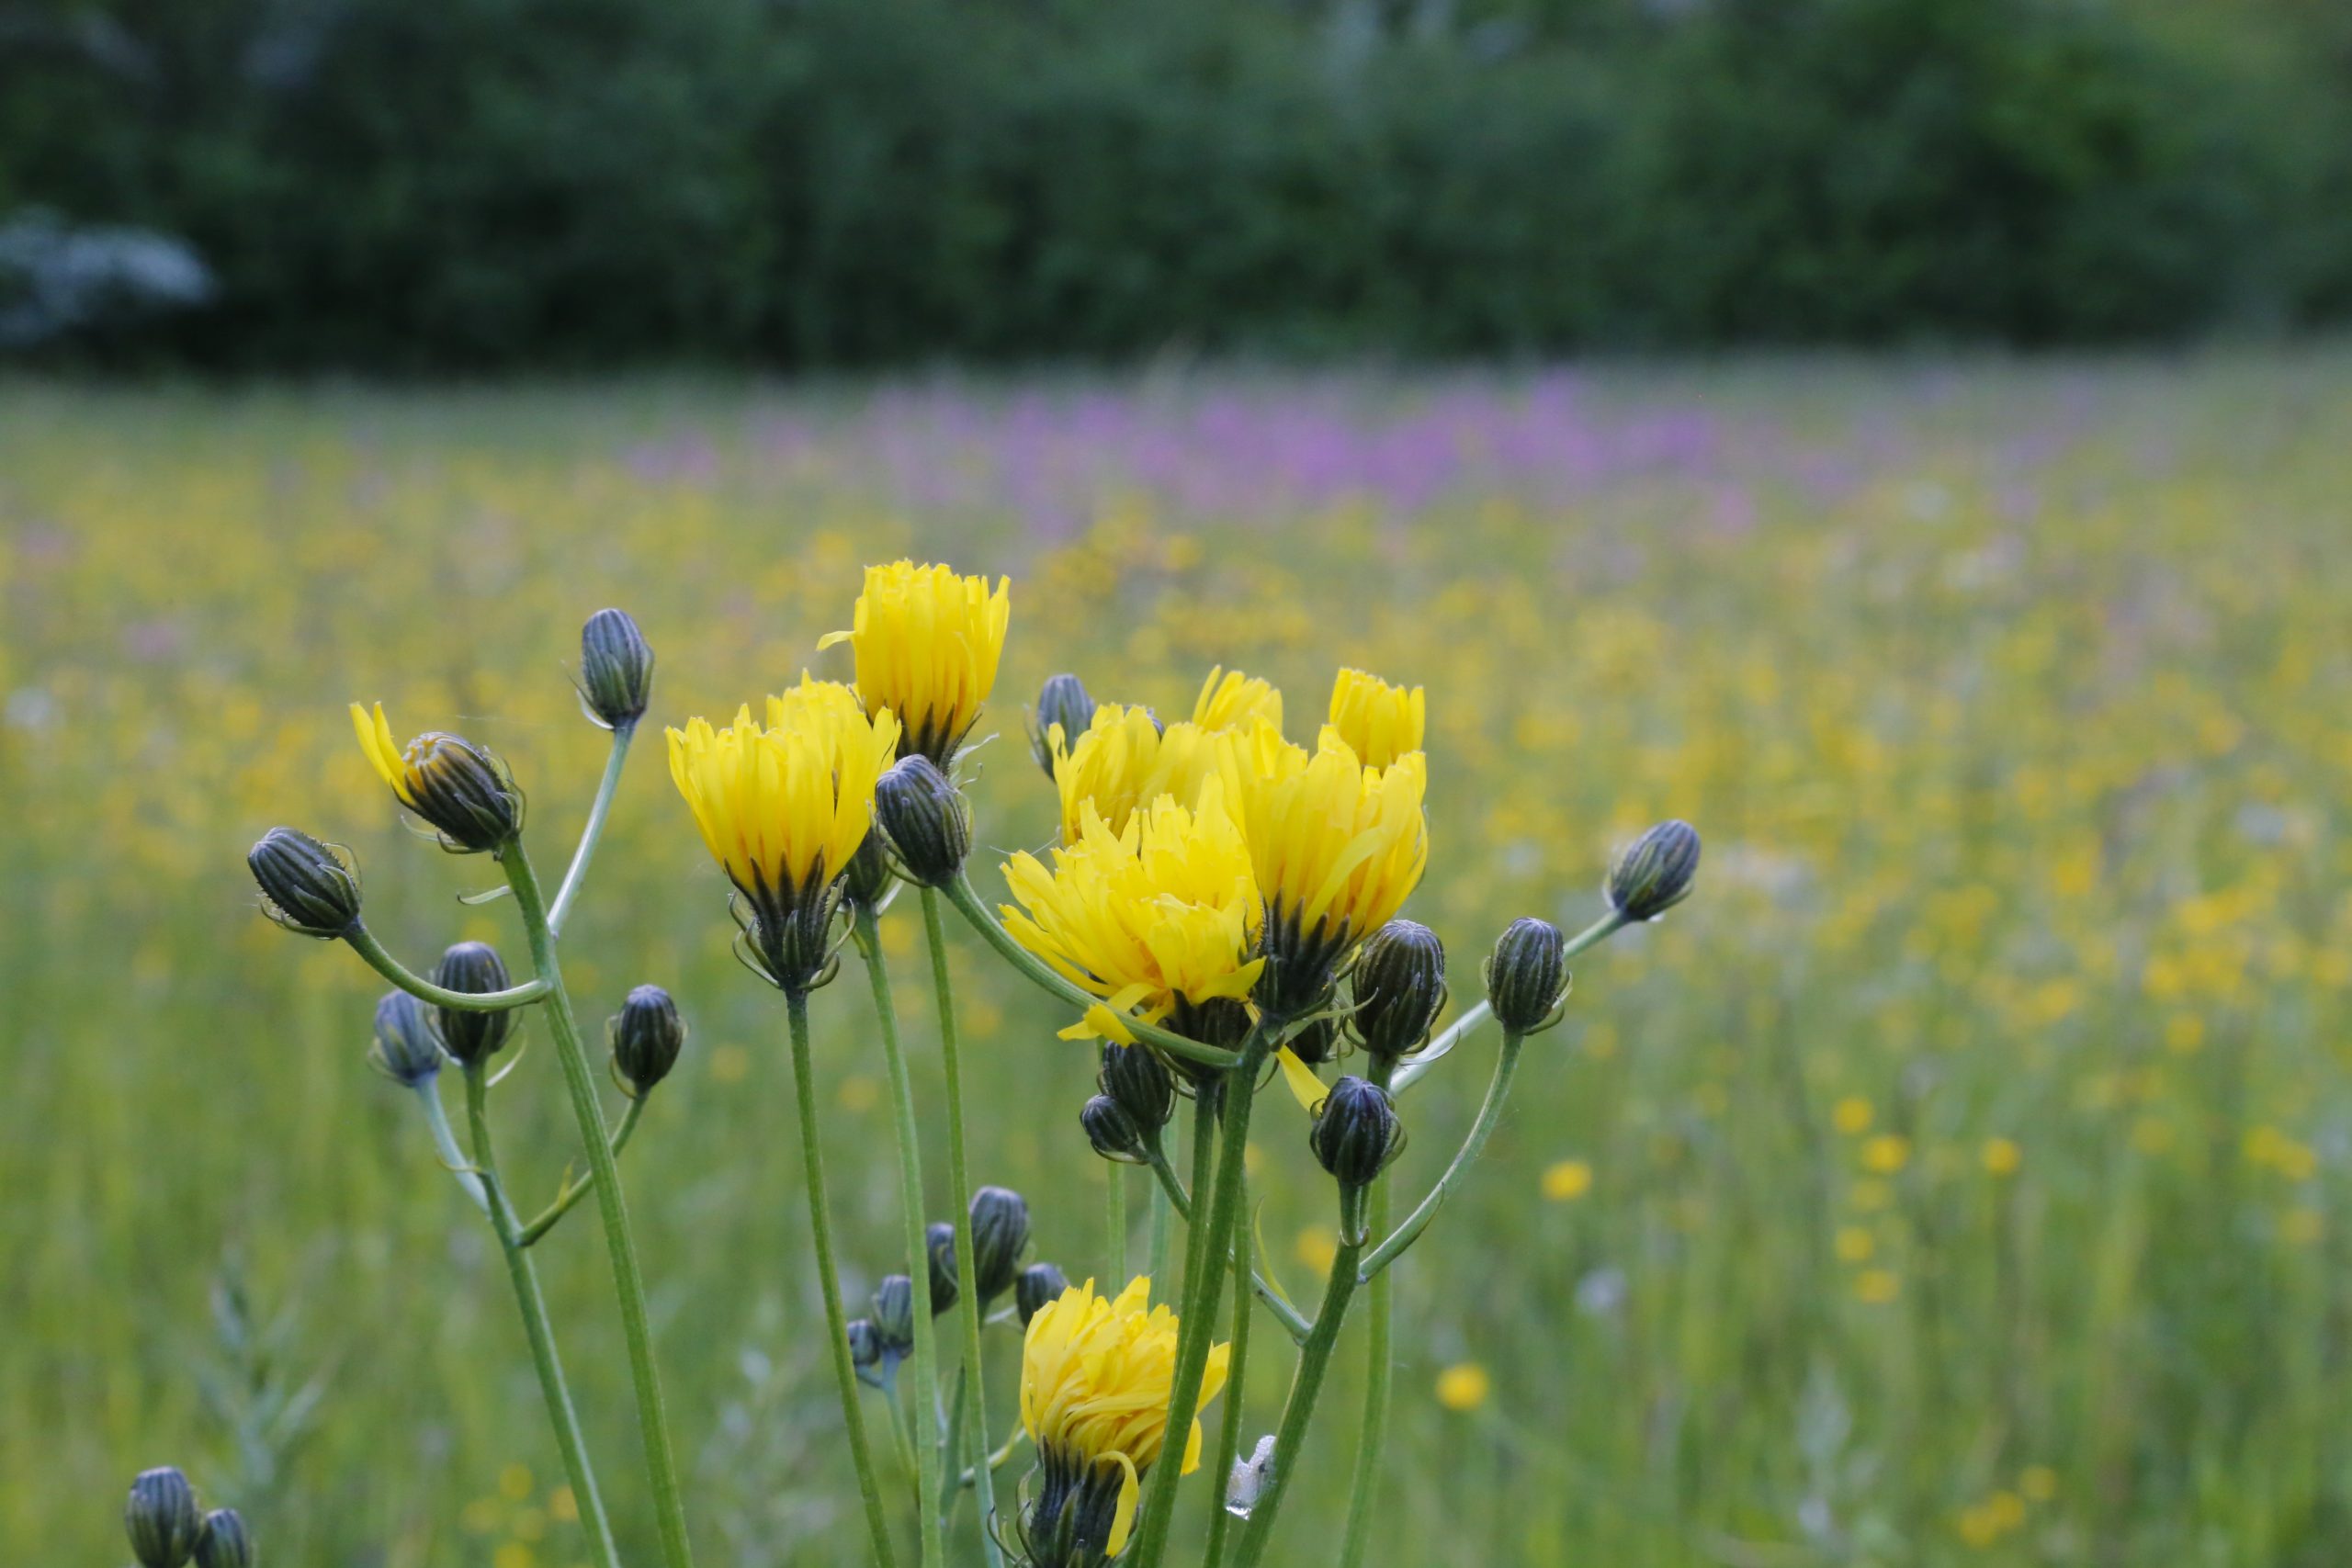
1158,918
1230,700
1336,846
784,806
1379,721
1124,761
465,794
1095,1380
926,643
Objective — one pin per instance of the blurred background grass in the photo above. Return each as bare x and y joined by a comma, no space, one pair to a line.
1957,1177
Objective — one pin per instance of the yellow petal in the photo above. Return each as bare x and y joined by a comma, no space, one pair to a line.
1304,1084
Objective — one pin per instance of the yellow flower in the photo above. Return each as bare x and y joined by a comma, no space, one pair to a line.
783,807
1159,917
1852,1115
1886,1154
1124,762
1567,1181
460,789
1464,1387
1878,1286
1230,700
1095,1380
926,643
2001,1157
1381,722
1336,847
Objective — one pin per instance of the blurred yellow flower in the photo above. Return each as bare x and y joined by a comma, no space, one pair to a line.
1877,1286
925,642
1886,1154
2038,1482
1854,1244
1463,1386
514,1483
2001,1156
1566,1180
1379,721
1317,1246
1852,1115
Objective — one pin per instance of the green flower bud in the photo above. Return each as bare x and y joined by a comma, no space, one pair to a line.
894,1313
1656,873
473,1038
1356,1132
1063,700
225,1543
1110,1130
1140,1082
929,824
870,877
616,670
405,1049
161,1519
646,1037
999,1236
939,1243
1040,1283
306,887
1527,976
463,791
1399,988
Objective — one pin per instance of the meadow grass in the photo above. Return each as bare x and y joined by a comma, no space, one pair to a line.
1957,1177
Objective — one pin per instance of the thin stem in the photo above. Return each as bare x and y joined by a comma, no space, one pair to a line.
901,1436
363,941
960,1180
628,1277
1204,1273
573,1191
931,1459
1115,1222
1412,1072
537,1327
829,1279
998,1459
594,829
960,894
952,1453
436,1117
1379,1312
1172,1193
1162,1227
1506,1063
1228,1446
1305,1385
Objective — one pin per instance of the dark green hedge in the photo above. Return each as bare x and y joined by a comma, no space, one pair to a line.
483,184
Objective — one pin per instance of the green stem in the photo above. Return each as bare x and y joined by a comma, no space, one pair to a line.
594,829
363,941
573,1191
1305,1385
1204,1273
1427,1057
1171,1192
959,1180
1378,1350
904,1439
436,1117
628,1277
537,1327
1229,1444
1505,1064
952,1454
1162,1228
1114,1224
960,894
930,1461
829,1279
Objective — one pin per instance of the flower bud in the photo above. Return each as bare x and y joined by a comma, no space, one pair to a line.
616,670
868,885
999,1236
1110,1130
1135,1077
894,1313
645,1036
405,1049
1527,975
225,1542
1315,1042
461,790
1654,875
929,824
160,1519
1399,988
473,1038
1040,1283
864,1344
1356,1132
939,1243
1062,701
306,887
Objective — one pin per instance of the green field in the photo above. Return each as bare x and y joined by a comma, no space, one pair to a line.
1959,1178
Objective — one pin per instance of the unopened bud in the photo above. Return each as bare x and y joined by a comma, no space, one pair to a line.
405,1049
865,1345
1315,1043
999,1236
1527,975
225,1543
306,886
616,670
928,823
1110,1130
1040,1283
1655,873
1063,700
1356,1132
939,1246
1140,1082
1399,988
471,1037
461,790
894,1313
868,885
161,1519
647,1035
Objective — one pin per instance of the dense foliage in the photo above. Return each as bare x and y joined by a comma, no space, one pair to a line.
491,183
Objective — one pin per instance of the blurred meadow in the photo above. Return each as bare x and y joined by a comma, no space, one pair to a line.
1957,1177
